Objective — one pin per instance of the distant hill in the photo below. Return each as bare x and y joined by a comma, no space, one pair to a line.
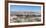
24,13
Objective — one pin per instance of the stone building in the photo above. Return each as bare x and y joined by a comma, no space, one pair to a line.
25,16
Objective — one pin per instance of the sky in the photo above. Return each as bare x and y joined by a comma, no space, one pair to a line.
25,8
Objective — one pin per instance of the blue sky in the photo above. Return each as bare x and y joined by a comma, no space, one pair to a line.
25,8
